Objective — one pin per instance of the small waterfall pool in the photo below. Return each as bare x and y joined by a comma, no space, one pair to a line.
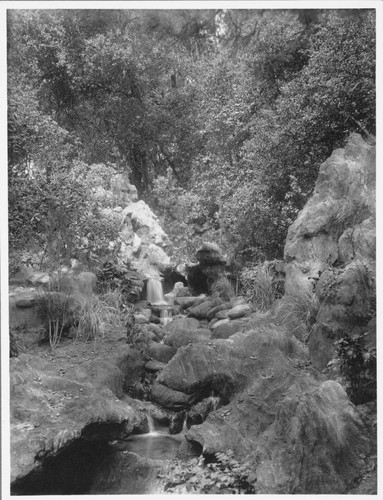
157,444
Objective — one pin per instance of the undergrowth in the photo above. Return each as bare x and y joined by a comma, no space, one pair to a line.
224,475
82,317
357,364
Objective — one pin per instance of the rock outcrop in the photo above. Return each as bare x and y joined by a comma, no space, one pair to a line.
142,242
54,403
330,249
210,267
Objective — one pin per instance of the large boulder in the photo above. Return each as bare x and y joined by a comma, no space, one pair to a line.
227,366
330,248
169,398
160,352
319,443
239,311
200,311
222,307
180,337
54,403
299,435
182,324
186,302
23,311
211,267
145,223
226,329
209,254
297,432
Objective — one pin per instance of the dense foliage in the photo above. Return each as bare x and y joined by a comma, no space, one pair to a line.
222,474
226,114
357,364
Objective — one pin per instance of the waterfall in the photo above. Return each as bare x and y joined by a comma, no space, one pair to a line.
151,426
185,427
166,316
154,293
213,402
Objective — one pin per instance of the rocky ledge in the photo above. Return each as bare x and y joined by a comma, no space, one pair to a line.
70,393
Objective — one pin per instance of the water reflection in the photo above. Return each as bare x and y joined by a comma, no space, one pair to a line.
156,446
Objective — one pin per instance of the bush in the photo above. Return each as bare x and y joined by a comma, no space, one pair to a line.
222,475
58,311
60,216
112,276
358,366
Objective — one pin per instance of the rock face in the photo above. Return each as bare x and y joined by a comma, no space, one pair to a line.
180,337
51,407
226,366
330,248
298,432
143,243
336,441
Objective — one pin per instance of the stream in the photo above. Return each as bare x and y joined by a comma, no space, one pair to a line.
98,464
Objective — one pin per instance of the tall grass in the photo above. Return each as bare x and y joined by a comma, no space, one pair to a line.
223,286
298,311
89,317
260,287
100,314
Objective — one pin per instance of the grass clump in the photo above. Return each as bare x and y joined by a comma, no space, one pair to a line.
260,286
85,317
99,314
223,286
298,311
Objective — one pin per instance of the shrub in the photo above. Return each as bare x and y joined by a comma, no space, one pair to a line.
59,312
358,366
112,276
222,475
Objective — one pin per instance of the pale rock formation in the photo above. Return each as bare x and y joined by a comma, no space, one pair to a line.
330,248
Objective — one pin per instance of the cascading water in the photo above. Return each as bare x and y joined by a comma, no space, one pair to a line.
151,425
155,297
165,316
154,293
213,402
